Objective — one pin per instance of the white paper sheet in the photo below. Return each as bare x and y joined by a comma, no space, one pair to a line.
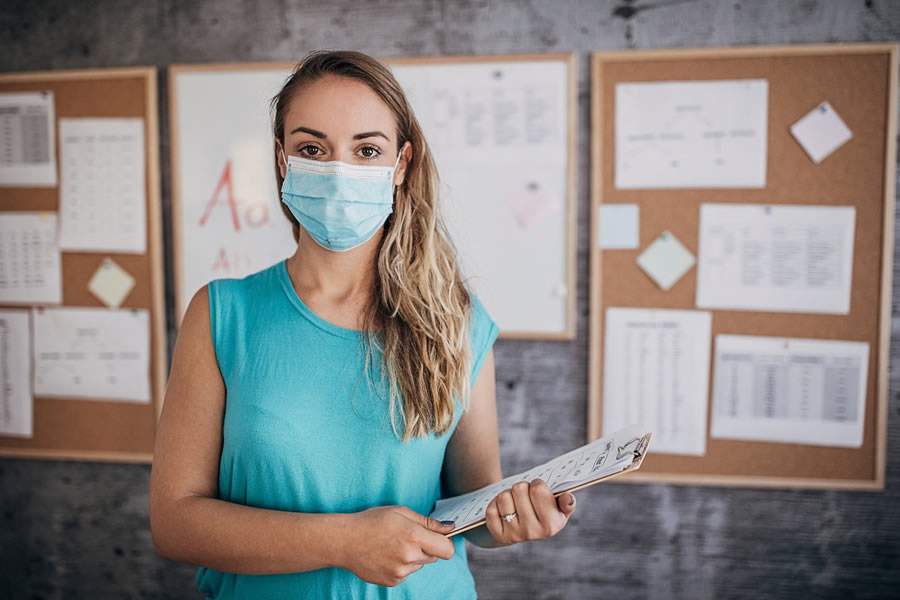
602,457
619,226
27,140
796,391
793,258
656,374
16,402
695,134
821,131
95,353
666,260
29,258
102,195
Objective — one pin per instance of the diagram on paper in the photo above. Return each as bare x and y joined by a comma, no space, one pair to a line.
691,134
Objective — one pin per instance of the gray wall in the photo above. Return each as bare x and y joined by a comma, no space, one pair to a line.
73,529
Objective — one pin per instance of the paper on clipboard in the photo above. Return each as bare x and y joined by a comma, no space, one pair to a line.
606,457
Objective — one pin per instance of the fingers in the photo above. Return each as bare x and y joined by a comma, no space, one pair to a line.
566,503
530,525
492,519
436,544
505,506
425,521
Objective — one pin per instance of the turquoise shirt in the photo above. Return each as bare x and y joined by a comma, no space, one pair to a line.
304,432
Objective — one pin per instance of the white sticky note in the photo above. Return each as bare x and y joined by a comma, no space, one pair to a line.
111,283
619,226
666,260
821,132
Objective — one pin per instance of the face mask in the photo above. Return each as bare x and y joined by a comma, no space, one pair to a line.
340,205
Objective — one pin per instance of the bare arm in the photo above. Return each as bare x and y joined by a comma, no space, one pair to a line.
187,520
472,459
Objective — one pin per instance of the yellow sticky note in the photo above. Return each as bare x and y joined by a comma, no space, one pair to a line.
111,283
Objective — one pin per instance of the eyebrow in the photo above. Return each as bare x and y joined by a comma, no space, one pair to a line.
321,135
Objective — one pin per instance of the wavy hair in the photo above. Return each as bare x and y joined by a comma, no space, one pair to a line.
419,295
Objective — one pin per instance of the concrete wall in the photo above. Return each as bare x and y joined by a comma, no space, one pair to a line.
71,529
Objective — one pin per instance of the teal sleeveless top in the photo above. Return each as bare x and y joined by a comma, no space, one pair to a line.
303,431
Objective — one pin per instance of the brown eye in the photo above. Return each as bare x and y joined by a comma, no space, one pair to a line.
370,152
311,147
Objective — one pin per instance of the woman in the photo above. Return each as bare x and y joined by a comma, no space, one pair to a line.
317,409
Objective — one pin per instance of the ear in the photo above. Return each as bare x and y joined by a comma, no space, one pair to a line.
405,158
282,168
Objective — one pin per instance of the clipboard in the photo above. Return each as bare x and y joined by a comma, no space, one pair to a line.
600,460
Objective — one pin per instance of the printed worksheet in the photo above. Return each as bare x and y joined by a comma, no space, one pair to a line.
794,258
16,403
796,391
102,195
656,374
691,134
604,457
96,353
29,258
27,148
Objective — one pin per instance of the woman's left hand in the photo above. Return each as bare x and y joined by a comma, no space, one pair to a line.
539,514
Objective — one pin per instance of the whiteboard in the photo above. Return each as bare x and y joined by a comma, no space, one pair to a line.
499,130
502,133
227,217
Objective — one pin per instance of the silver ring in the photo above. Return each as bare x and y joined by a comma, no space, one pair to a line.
509,517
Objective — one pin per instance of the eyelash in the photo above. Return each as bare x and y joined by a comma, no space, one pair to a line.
375,148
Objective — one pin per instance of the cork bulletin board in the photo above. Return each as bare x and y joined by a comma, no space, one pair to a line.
78,427
860,81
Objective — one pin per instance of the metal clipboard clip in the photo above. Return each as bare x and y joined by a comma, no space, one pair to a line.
637,446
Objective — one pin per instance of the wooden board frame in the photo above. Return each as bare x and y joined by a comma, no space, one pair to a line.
569,331
767,58
117,431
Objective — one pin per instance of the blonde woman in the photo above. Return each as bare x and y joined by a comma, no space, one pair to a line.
317,409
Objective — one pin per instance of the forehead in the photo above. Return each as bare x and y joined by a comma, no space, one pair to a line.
338,106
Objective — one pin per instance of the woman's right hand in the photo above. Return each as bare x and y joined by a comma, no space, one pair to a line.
388,543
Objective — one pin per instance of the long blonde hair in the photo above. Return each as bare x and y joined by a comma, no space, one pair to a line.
419,295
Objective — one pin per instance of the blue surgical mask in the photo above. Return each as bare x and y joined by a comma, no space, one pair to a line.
340,205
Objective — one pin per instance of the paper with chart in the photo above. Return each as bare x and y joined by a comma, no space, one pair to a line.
499,131
27,148
102,203
794,258
691,134
610,455
96,353
16,404
29,258
656,374
796,391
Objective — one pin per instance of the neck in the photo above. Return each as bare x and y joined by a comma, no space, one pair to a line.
336,276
